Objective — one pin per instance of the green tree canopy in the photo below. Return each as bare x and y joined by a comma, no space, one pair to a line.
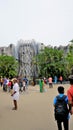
8,66
50,62
69,59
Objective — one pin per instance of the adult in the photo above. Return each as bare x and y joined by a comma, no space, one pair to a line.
70,94
20,84
26,81
55,79
50,82
61,79
5,84
41,83
15,94
1,81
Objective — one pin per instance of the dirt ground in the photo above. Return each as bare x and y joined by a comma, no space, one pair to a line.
35,110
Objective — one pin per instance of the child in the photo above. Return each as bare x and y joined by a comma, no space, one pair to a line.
61,109
24,83
9,85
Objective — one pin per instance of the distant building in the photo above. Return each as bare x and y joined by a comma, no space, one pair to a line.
10,50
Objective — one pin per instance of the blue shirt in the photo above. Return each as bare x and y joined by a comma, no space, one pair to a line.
61,95
66,99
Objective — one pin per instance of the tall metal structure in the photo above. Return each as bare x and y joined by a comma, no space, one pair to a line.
26,51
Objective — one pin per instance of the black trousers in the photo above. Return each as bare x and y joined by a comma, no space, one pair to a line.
65,124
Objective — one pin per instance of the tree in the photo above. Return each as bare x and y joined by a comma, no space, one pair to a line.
71,41
69,59
50,62
8,66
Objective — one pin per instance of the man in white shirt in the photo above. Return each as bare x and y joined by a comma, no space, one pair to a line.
15,94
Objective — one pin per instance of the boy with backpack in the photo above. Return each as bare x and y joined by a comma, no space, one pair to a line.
61,109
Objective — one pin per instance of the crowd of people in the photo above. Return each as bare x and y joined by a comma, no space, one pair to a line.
49,81
7,83
13,86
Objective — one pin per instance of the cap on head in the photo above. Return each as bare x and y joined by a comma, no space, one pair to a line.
15,79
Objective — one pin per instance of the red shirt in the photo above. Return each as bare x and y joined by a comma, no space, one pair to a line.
60,78
70,94
9,84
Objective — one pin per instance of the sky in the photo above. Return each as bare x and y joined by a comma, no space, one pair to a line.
46,21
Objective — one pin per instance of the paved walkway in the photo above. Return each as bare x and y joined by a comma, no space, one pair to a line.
35,111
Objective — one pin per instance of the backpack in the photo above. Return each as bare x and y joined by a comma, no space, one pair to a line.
61,108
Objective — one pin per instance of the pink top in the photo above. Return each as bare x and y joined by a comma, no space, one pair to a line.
60,78
50,80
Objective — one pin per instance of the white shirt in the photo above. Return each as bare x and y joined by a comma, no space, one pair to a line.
16,88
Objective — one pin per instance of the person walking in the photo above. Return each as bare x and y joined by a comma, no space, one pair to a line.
20,84
50,82
24,84
55,79
41,84
70,94
5,84
61,79
61,109
1,81
15,94
26,81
